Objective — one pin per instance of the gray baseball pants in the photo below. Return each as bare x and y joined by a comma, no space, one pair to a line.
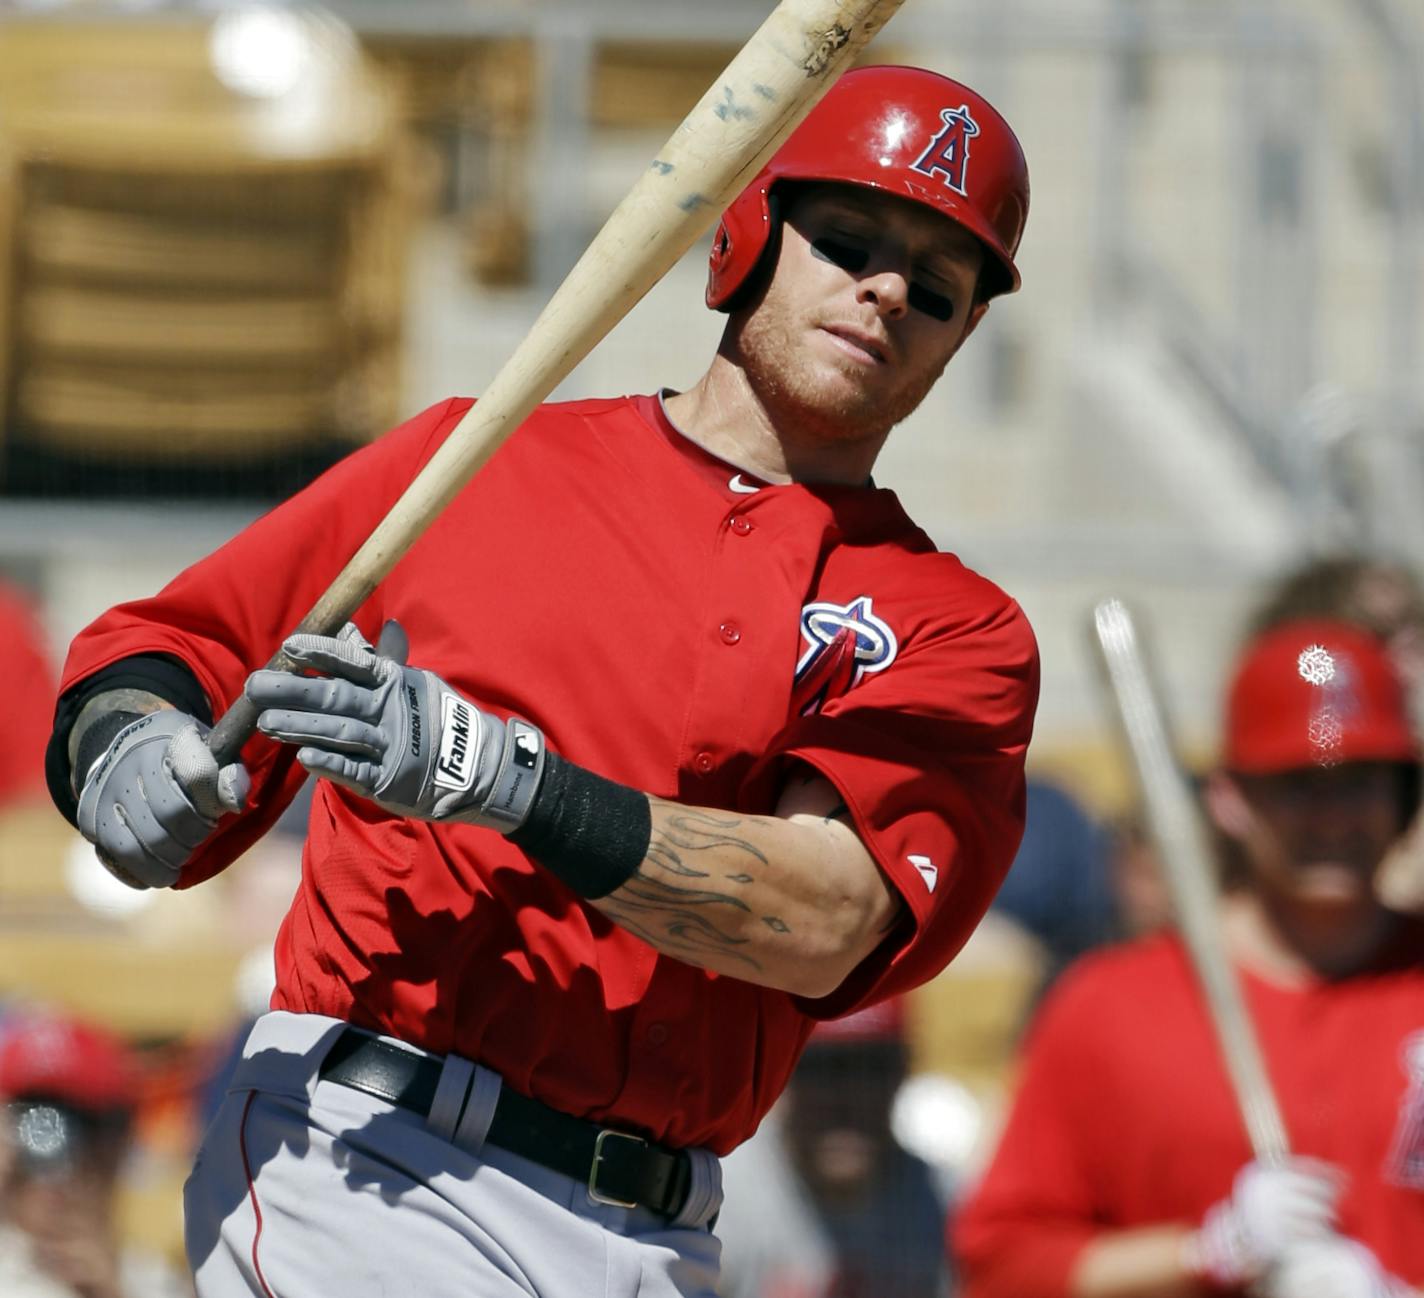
304,1188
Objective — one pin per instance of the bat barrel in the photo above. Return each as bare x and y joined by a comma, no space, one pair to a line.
764,93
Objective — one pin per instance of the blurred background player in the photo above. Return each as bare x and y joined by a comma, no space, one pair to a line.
1061,887
1124,1167
70,1090
1385,597
24,659
824,1202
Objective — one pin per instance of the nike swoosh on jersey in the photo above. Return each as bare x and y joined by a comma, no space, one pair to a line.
736,484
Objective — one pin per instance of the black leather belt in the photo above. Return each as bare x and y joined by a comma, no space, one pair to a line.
618,1168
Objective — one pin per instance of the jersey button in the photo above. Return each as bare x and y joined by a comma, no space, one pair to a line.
741,526
657,1034
703,763
730,632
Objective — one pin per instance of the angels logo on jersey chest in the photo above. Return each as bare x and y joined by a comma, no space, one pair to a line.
844,642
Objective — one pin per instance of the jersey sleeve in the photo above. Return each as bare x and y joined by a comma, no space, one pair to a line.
928,756
227,614
1020,1231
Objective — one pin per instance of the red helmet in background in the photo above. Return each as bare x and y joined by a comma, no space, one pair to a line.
48,1054
1316,693
909,132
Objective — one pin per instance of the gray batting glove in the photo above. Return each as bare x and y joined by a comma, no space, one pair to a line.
1272,1207
154,796
1330,1267
398,735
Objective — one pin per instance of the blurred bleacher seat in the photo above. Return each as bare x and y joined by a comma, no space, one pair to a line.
202,230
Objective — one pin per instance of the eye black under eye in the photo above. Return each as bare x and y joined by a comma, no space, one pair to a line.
841,254
854,260
932,304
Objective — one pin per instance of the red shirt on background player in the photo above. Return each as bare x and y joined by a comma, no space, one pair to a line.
1124,1167
25,658
753,747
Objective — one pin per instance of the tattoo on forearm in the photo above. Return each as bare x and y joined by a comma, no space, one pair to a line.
102,705
671,917
696,831
662,904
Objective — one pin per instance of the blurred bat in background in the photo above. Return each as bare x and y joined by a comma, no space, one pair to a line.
1183,846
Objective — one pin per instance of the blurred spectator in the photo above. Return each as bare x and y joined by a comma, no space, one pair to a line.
70,1091
1060,887
1124,1168
1143,902
29,713
1385,597
823,1202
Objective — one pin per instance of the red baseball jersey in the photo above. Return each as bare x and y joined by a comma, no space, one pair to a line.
670,623
1124,1115
29,709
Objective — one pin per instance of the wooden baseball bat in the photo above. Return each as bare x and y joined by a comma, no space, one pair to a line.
1179,834
773,82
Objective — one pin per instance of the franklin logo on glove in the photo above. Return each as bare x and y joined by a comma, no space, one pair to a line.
453,770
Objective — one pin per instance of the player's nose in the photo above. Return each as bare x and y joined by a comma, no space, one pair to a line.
885,288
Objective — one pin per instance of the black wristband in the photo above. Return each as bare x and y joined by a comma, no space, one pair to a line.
587,831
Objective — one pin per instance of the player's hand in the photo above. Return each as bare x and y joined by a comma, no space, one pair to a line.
154,796
1272,1207
397,735
1330,1267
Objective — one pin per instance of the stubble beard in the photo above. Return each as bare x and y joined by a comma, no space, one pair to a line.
842,412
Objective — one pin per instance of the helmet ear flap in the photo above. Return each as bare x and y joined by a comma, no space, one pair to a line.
723,250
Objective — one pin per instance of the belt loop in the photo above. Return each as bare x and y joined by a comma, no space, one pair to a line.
449,1102
704,1189
479,1111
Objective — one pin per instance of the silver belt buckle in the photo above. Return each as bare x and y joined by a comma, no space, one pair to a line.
593,1191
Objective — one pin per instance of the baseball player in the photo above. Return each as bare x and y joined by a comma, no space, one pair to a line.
69,1094
669,738
1124,1166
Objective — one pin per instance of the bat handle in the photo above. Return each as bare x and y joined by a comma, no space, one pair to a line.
236,726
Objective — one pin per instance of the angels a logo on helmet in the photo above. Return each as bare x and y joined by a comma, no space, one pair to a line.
844,642
948,153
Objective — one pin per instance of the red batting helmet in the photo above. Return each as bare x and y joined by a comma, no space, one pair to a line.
1315,693
51,1055
906,131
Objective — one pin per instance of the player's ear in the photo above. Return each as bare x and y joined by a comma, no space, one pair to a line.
1226,805
976,314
